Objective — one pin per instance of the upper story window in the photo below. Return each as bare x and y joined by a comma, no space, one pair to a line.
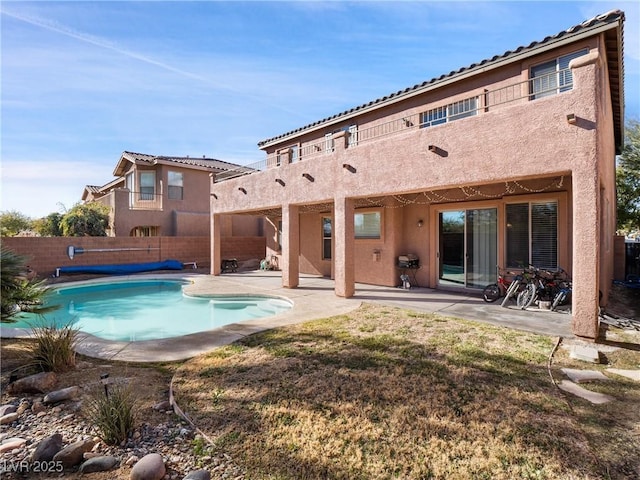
368,225
453,111
176,185
147,185
554,76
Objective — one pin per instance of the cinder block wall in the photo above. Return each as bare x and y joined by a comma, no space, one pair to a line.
45,254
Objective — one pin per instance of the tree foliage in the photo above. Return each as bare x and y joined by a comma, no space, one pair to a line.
628,179
49,226
86,220
13,222
19,292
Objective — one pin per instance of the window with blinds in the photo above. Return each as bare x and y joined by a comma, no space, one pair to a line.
553,77
532,234
454,111
367,225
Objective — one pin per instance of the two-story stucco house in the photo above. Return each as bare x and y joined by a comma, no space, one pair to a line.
506,162
165,196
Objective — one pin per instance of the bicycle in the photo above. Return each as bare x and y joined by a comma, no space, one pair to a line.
516,286
545,285
494,291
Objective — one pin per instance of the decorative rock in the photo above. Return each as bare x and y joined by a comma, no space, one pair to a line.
198,475
12,443
38,407
47,448
132,460
9,418
72,454
38,383
98,464
5,409
62,395
150,467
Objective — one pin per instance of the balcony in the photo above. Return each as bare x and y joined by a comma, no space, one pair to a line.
482,102
145,201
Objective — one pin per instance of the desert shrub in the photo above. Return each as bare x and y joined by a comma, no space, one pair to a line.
112,412
54,349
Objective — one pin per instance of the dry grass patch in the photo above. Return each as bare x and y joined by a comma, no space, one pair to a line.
388,393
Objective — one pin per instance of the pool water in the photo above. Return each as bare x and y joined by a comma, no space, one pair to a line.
147,310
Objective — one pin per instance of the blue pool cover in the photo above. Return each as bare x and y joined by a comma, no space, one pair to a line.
123,269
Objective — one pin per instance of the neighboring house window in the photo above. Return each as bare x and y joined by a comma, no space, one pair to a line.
148,231
367,225
176,184
147,185
288,155
532,234
326,238
554,76
454,111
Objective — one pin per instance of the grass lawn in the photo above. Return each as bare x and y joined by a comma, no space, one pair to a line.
386,393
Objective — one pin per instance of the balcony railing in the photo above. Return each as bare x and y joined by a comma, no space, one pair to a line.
145,201
486,100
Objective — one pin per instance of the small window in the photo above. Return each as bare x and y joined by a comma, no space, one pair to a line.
367,225
175,180
147,231
147,185
353,135
454,111
326,238
328,143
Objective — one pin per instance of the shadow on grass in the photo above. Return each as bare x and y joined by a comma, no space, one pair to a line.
388,394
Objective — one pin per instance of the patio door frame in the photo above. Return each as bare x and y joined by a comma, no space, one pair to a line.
490,274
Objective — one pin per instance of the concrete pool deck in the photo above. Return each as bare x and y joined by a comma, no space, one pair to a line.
314,298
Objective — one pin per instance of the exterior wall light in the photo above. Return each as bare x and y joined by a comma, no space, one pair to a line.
420,223
571,118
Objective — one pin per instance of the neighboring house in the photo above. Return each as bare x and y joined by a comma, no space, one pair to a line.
164,196
506,162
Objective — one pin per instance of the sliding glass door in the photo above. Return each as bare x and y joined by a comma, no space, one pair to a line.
468,249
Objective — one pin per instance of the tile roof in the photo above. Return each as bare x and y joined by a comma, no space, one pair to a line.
588,26
211,163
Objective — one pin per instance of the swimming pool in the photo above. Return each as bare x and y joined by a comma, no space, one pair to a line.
136,310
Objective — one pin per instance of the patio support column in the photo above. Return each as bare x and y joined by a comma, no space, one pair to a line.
290,246
216,256
586,253
344,264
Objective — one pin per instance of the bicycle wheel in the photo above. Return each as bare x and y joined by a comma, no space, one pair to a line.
558,299
527,296
513,288
491,293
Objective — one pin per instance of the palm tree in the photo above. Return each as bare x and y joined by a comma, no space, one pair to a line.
18,292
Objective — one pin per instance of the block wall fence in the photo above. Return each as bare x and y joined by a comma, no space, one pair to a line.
45,254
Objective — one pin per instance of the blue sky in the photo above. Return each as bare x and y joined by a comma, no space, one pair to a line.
84,81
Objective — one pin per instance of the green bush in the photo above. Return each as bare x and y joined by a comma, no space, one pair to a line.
54,349
112,412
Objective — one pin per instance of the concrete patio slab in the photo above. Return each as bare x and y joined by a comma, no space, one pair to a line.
632,374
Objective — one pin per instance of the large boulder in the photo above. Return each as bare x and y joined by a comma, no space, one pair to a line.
37,383
47,448
150,467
